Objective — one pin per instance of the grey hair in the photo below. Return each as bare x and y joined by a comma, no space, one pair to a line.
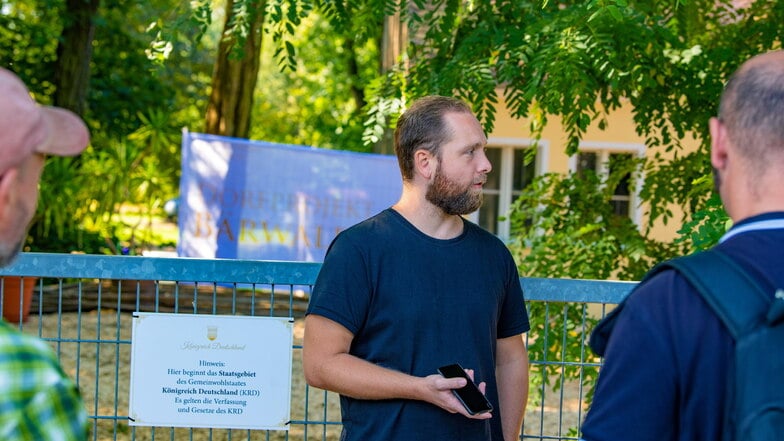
752,110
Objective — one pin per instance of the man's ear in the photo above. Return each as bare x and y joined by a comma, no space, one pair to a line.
7,182
719,140
424,164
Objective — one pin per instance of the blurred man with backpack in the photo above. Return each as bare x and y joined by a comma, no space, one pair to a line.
695,352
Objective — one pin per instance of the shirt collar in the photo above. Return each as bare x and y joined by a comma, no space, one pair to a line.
765,221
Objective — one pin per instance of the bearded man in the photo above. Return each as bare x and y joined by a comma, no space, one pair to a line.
417,287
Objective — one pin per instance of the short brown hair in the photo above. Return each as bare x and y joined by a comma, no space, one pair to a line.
422,126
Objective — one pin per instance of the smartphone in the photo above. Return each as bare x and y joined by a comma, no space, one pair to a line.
472,398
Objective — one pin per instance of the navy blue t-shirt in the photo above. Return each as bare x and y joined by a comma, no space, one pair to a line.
415,303
666,364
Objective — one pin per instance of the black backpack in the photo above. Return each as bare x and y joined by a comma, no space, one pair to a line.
755,400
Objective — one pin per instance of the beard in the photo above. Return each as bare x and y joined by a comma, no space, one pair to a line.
450,197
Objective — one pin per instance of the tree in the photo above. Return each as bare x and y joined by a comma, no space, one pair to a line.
74,53
393,44
132,106
236,70
319,101
577,61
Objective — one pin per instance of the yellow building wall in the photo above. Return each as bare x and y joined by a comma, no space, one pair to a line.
619,131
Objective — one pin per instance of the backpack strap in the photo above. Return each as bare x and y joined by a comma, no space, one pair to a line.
734,296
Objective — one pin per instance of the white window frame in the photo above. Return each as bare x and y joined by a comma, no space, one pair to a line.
506,174
603,151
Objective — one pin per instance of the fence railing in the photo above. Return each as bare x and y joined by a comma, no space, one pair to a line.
83,304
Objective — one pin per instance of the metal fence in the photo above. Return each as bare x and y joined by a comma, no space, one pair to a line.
83,304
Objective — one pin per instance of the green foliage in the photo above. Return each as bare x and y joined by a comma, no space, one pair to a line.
315,103
28,43
136,108
58,205
386,103
564,226
285,19
708,223
569,59
577,61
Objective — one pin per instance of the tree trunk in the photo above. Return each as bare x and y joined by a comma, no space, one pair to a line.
393,43
234,77
74,52
395,39
353,71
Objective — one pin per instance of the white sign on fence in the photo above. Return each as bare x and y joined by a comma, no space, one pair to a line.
213,371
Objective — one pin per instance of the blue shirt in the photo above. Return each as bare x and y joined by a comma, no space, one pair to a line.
665,372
